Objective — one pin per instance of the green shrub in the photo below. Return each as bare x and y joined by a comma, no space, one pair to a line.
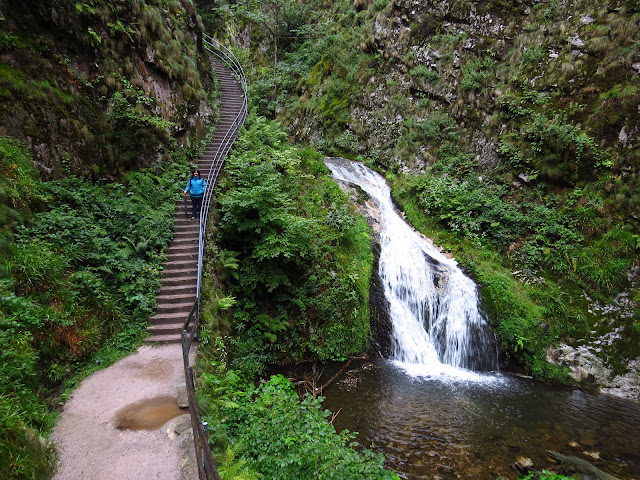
303,257
424,73
474,73
285,437
79,274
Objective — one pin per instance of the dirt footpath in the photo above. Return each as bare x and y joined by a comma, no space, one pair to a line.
89,445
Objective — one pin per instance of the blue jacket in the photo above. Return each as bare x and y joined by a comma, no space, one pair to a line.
195,186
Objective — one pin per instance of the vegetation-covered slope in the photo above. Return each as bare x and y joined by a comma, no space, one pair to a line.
102,105
291,264
509,131
100,87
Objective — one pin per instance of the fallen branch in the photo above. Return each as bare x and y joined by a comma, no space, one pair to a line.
333,417
340,372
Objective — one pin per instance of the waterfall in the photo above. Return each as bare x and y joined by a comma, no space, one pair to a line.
438,327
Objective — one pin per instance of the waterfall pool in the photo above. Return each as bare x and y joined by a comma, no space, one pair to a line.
430,408
442,427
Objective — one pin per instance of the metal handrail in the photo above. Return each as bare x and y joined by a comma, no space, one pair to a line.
206,466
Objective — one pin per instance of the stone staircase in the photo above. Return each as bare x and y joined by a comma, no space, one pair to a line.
178,291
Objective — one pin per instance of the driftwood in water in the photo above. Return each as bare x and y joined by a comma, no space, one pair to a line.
340,372
579,465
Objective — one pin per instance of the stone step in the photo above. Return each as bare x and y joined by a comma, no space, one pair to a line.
183,243
181,272
170,307
186,228
183,257
168,318
179,280
190,228
167,329
162,339
176,297
186,241
179,289
181,266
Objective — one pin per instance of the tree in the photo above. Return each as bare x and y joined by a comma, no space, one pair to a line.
280,20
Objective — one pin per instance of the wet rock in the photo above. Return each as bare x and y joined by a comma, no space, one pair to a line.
180,432
179,426
627,385
551,459
182,397
445,469
579,465
575,445
584,365
513,445
594,455
524,462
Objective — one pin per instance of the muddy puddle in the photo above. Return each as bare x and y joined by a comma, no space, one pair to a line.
148,414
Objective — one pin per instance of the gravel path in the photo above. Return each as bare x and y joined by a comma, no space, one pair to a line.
89,445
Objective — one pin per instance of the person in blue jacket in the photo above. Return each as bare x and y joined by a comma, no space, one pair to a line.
195,188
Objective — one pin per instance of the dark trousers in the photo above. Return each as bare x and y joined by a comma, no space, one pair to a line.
196,204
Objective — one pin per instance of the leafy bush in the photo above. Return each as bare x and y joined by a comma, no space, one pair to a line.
474,72
288,438
433,128
274,433
546,142
77,275
303,258
424,73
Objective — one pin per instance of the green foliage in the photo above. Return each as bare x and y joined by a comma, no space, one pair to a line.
232,468
379,5
283,436
471,205
544,234
544,475
24,454
303,258
79,275
547,142
474,72
19,188
433,128
424,73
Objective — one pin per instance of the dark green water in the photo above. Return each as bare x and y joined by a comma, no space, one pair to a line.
439,427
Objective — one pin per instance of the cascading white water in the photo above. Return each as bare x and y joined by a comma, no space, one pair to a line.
438,327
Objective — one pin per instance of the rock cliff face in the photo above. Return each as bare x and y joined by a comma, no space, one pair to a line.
464,61
544,95
99,87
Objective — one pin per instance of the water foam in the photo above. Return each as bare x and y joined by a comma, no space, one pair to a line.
438,327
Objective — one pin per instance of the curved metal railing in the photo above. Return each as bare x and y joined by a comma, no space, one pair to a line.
227,57
206,466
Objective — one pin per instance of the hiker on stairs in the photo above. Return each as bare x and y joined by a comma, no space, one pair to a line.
195,188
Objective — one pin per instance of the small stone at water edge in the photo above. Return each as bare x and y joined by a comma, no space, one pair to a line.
594,455
575,445
524,462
